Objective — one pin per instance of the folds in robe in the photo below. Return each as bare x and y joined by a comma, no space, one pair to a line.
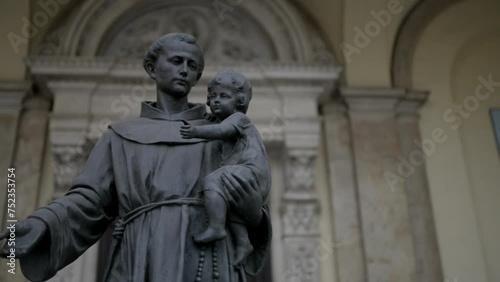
135,163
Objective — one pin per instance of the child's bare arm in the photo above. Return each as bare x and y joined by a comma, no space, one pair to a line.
213,132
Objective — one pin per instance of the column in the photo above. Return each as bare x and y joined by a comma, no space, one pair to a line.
29,152
344,198
384,212
299,205
11,97
413,149
71,146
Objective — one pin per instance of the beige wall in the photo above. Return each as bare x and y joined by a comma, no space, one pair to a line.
328,17
462,171
480,57
369,64
15,39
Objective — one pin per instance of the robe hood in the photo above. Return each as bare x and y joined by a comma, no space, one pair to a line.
155,126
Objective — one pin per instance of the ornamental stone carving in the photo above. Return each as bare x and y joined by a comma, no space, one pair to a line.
301,172
259,30
237,38
300,218
68,161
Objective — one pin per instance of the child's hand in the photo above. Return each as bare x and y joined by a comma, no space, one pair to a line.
187,130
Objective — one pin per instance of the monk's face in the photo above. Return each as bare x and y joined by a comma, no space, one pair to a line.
177,68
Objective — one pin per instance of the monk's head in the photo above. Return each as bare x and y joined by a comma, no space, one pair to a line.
176,62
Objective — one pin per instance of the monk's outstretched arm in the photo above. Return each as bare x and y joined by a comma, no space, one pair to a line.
77,220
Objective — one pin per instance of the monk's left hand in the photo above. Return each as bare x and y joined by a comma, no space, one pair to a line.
244,197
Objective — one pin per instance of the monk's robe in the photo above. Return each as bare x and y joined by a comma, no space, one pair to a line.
142,173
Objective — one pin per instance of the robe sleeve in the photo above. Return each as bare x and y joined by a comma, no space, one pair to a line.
260,238
77,220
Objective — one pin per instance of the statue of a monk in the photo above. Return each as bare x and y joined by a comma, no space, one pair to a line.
146,176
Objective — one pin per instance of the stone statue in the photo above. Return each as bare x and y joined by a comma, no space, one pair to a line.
243,153
146,176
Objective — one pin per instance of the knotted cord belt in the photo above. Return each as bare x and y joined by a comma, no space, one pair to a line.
132,215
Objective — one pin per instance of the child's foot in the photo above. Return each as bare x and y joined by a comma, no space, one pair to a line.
210,235
242,251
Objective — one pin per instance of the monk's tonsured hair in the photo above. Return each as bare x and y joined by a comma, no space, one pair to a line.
240,85
151,56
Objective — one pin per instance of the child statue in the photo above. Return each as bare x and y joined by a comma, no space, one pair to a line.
243,154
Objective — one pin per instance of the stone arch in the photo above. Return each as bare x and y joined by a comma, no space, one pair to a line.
91,28
408,36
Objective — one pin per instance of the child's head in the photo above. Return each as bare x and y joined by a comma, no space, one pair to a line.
229,92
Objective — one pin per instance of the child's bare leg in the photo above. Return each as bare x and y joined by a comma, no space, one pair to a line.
243,245
216,211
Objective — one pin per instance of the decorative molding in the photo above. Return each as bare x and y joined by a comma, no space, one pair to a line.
375,99
103,26
12,94
239,37
110,68
370,101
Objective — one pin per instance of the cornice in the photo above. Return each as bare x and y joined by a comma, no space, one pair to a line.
12,94
109,68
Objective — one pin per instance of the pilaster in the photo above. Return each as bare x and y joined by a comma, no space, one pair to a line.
11,97
29,153
11,103
344,195
300,206
414,150
384,213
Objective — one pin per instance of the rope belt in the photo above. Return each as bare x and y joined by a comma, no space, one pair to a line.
132,215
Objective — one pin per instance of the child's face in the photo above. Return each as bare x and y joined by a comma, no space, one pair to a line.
223,101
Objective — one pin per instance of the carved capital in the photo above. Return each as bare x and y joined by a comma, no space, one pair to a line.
372,100
68,162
